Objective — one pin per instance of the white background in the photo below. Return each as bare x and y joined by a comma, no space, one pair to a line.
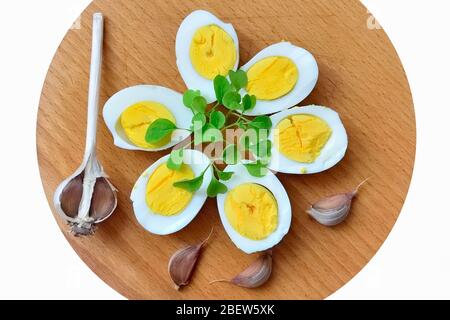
37,262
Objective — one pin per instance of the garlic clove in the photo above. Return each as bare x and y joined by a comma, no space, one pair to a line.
103,201
332,210
70,197
182,263
336,201
332,215
257,274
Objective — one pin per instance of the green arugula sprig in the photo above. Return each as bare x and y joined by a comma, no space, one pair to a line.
207,125
228,93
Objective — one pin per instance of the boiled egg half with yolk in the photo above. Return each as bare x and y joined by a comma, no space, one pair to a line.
129,113
255,212
306,140
280,76
159,206
205,47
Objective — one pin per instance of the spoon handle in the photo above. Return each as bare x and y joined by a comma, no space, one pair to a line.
94,84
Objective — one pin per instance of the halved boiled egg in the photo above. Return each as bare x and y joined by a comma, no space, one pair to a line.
129,113
306,140
280,76
205,47
159,206
255,212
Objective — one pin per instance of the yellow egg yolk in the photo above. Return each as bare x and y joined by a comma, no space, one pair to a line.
212,52
162,197
136,119
302,137
272,78
252,211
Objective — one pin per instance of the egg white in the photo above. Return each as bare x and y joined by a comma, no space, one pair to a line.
308,75
125,98
333,151
164,225
271,183
186,32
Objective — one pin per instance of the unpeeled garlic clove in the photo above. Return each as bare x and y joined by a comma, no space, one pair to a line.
71,196
332,210
103,200
183,262
255,275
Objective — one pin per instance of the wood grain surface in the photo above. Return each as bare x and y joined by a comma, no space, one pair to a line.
360,76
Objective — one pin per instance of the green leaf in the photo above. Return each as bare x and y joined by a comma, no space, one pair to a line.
199,104
231,154
190,185
200,118
221,86
159,129
261,122
189,96
238,79
211,134
256,169
216,187
217,119
175,160
235,106
232,100
248,102
224,175
253,100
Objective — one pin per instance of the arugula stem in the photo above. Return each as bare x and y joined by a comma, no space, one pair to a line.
214,107
240,116
214,164
190,145
206,169
185,129
230,126
215,168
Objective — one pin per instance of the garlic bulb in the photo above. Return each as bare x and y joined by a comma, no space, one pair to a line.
87,197
333,210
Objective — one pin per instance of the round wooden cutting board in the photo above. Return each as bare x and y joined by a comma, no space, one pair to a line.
360,76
